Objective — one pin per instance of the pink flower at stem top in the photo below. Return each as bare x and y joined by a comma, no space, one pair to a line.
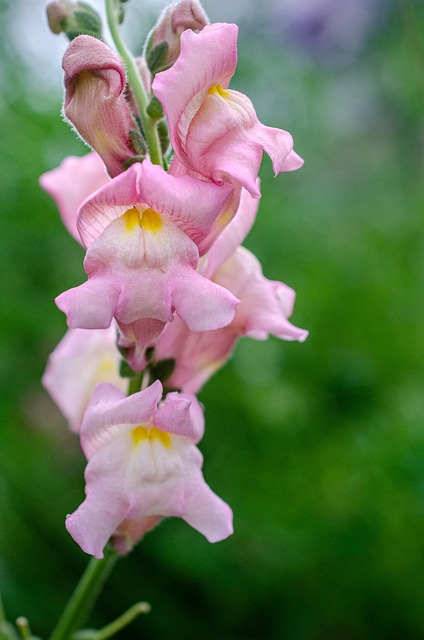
214,130
143,465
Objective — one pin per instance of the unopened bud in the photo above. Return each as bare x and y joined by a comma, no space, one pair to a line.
57,13
74,19
185,14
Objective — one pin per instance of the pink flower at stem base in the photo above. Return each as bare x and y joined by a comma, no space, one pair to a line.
143,466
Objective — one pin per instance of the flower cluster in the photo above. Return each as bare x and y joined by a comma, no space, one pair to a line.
169,287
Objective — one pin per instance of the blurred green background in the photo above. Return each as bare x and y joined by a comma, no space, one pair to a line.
318,448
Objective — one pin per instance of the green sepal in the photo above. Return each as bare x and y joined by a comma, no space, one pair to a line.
138,142
84,20
167,390
90,22
156,57
163,369
125,370
163,133
121,14
154,109
149,354
130,161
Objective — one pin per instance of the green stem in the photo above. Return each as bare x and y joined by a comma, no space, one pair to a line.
149,126
134,384
84,596
123,621
2,614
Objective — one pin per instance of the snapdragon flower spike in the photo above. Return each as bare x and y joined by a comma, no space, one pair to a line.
141,261
95,102
80,361
72,182
143,466
215,130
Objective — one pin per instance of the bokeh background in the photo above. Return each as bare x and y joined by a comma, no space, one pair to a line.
318,447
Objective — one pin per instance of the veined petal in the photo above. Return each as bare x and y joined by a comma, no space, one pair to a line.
260,312
215,131
140,471
192,204
91,305
95,103
206,512
182,415
81,360
232,236
202,304
206,59
110,409
71,182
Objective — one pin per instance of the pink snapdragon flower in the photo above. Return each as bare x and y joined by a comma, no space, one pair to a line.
214,130
81,360
141,263
143,465
95,102
72,182
263,310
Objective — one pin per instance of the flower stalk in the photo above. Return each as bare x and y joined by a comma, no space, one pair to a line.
84,596
149,126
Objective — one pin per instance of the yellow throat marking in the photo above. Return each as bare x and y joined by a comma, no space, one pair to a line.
141,433
217,89
148,220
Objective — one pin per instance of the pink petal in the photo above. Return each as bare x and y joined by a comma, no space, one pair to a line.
207,513
111,408
181,415
206,59
232,236
80,361
192,204
71,182
202,304
91,305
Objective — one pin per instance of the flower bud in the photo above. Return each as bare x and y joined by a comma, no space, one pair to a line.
164,43
95,101
73,19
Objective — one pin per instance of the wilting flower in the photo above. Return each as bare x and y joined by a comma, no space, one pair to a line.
142,259
143,466
95,102
214,130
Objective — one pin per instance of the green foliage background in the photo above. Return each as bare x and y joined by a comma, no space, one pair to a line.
319,448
